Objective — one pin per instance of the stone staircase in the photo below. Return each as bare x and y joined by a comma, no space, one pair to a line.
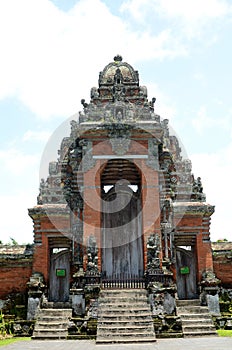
52,323
124,316
196,319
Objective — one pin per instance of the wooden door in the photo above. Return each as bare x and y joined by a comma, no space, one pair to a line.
122,246
59,275
186,272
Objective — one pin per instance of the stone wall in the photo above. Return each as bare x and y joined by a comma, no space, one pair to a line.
16,265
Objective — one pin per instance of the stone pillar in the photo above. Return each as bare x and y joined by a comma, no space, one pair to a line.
36,287
78,301
209,293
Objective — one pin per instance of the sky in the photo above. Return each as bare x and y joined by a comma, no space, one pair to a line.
51,53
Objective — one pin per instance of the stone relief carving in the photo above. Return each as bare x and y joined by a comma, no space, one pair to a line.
153,250
120,139
87,158
153,154
92,254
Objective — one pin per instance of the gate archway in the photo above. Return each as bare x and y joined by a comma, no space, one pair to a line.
122,242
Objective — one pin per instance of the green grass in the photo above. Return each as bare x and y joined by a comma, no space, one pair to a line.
224,333
11,340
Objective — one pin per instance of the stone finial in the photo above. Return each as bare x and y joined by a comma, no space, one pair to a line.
118,58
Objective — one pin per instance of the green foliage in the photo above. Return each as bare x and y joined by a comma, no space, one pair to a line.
5,326
2,325
11,340
13,241
225,307
224,333
222,240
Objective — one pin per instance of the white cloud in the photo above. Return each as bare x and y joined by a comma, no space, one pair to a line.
194,10
201,78
36,135
191,10
15,221
15,162
215,170
190,16
48,57
203,121
20,181
163,106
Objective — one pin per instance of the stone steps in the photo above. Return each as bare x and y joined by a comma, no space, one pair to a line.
196,319
126,323
52,324
57,305
124,317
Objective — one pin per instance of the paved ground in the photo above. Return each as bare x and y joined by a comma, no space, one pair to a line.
212,343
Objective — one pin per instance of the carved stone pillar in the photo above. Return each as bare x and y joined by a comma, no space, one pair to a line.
209,292
36,287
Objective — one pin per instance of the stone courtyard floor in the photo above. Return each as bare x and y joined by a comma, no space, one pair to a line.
212,343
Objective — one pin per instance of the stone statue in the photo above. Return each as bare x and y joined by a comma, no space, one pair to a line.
153,250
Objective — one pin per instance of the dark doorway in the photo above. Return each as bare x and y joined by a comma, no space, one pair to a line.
122,243
186,272
59,275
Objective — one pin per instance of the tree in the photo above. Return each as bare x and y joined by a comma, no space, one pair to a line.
13,241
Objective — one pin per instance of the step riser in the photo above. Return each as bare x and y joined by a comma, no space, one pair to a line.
50,328
123,310
195,316
129,336
48,337
198,329
123,302
188,303
125,329
190,311
191,323
124,324
54,314
191,335
128,319
126,340
49,334
124,291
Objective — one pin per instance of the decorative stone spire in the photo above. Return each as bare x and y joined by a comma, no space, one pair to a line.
118,58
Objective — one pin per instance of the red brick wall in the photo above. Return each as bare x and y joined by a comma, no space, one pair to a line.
193,223
50,226
14,278
204,256
223,269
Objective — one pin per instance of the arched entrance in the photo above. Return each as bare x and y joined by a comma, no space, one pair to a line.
122,242
186,272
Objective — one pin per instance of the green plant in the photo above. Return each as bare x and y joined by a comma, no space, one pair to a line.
224,333
2,325
12,340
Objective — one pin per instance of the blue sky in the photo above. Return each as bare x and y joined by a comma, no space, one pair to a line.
51,55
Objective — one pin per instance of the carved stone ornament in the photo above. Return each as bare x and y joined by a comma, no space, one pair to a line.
120,145
92,253
153,157
120,138
153,250
87,158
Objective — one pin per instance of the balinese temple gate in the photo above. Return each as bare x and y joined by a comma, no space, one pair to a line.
121,207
